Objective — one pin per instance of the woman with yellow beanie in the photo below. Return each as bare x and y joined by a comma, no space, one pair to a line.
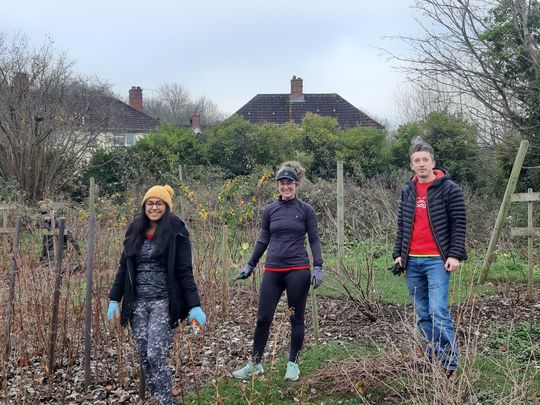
155,284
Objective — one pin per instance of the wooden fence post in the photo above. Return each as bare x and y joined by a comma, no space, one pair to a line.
340,216
530,232
503,210
313,297
13,277
225,264
56,297
180,197
530,246
89,284
5,230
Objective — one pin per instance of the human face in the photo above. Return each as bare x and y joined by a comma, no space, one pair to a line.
287,189
154,209
422,165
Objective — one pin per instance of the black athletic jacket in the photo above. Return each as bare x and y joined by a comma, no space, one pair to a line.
447,218
284,226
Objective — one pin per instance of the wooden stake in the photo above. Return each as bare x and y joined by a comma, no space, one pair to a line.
503,210
56,297
89,284
13,277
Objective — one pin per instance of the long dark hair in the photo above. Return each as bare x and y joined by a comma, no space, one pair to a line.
141,224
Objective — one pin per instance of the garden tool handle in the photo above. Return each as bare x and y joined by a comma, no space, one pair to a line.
196,328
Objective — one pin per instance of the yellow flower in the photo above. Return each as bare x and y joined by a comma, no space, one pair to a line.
203,213
83,215
265,177
245,246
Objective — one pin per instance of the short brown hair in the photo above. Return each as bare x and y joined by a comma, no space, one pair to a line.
422,147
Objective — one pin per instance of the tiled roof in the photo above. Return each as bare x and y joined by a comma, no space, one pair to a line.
280,109
114,115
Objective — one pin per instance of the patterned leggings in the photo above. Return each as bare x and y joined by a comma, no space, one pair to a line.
153,334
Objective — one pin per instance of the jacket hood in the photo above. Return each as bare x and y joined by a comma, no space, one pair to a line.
440,175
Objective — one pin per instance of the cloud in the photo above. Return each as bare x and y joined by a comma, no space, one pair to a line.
227,51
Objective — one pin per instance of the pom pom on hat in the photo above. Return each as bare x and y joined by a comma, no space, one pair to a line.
164,193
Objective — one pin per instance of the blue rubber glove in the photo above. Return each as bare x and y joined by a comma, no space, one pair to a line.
245,272
113,310
197,314
316,276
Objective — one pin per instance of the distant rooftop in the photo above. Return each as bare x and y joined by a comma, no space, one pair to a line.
291,108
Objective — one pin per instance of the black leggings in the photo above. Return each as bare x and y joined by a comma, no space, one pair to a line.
296,282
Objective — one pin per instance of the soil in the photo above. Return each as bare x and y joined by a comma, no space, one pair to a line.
347,322
226,345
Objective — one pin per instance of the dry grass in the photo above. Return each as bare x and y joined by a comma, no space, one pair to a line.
401,371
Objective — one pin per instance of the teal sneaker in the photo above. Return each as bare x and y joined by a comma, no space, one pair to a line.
293,372
248,370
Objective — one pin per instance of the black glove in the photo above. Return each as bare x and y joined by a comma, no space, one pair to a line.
396,269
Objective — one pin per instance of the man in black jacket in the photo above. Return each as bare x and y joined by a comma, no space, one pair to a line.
430,244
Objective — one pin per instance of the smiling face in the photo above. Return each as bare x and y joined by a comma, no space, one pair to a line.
286,188
422,165
154,209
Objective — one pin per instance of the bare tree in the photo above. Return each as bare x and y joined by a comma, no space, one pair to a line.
174,105
209,111
47,116
416,102
483,53
171,105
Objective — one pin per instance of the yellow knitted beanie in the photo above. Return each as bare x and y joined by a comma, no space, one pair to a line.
164,193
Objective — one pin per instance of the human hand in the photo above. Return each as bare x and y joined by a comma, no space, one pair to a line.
398,260
113,311
245,272
452,264
197,314
316,276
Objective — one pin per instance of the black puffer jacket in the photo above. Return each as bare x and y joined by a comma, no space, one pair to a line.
183,293
447,218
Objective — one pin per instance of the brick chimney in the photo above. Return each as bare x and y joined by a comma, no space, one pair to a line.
297,93
135,98
196,123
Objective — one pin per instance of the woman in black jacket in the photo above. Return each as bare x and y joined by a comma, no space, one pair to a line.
156,286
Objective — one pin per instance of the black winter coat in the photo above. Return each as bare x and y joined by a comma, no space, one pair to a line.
183,293
447,218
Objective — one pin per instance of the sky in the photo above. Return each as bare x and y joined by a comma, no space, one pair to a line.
229,50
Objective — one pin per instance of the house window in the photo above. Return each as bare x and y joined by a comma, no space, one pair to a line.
119,140
130,139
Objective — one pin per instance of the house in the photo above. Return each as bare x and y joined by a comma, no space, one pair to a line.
291,108
77,117
122,124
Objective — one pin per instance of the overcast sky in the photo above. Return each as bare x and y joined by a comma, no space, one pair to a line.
228,50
